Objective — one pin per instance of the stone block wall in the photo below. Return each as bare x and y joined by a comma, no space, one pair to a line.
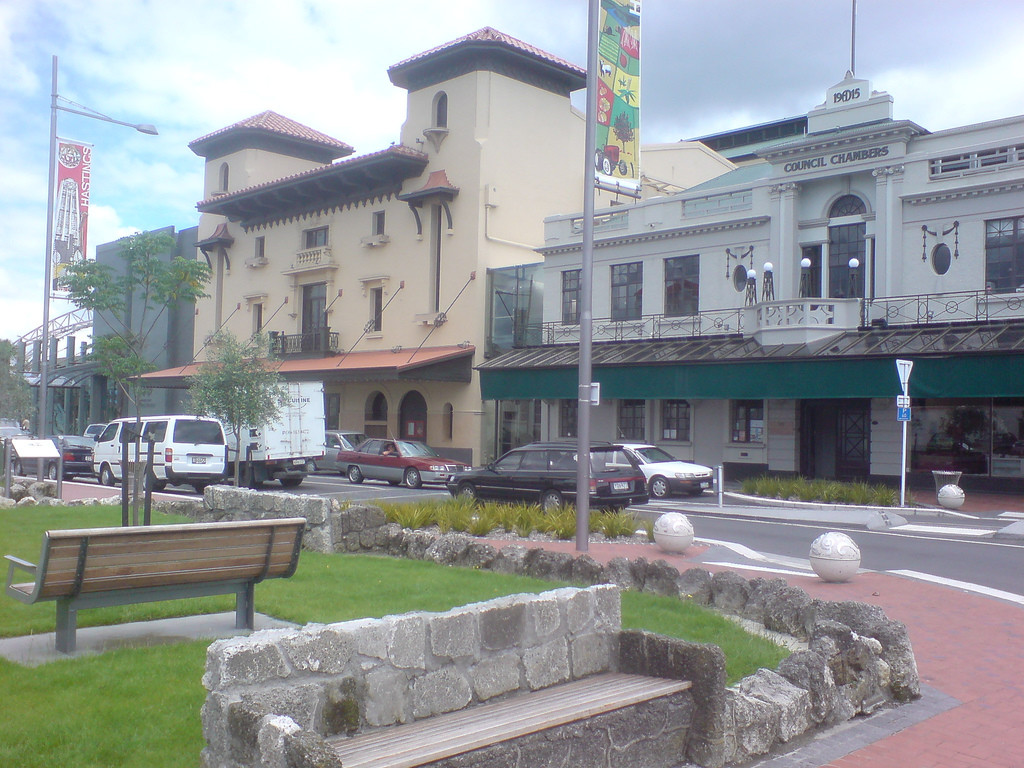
340,679
854,659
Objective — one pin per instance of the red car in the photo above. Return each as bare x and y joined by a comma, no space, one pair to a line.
397,461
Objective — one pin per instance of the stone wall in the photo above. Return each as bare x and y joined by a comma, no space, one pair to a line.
281,691
853,659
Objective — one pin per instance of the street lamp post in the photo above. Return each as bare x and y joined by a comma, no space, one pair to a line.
44,351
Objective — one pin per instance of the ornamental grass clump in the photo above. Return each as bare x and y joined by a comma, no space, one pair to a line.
821,490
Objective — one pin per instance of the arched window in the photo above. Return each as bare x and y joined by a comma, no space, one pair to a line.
441,110
847,250
375,415
223,177
847,205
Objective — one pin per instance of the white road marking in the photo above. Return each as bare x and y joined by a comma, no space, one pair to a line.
762,569
1012,515
942,529
966,586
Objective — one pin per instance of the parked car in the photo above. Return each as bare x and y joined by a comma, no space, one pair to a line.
13,431
666,474
187,450
397,461
334,441
545,473
76,452
93,431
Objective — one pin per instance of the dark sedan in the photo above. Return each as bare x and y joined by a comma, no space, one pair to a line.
76,452
545,473
397,461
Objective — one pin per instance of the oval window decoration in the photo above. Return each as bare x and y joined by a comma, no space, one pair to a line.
739,278
941,259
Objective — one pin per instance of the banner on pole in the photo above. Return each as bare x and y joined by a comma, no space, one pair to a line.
617,158
70,207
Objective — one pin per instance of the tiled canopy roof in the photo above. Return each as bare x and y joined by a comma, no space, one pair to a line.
273,127
347,181
477,51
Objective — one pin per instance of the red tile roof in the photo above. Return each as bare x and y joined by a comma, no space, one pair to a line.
487,36
272,124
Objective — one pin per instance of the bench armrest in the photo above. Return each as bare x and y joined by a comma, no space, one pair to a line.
18,563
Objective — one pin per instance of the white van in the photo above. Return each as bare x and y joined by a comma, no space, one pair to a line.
187,450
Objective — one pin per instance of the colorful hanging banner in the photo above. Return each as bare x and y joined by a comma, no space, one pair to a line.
617,160
70,207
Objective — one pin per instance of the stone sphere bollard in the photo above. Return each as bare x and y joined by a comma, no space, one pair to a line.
673,532
835,557
951,496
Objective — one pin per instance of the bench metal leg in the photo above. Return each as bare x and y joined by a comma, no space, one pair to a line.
245,611
67,619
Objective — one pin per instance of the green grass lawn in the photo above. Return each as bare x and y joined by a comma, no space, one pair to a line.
139,707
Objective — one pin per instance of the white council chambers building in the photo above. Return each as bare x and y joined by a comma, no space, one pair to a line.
755,319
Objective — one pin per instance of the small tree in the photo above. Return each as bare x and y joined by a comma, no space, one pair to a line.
131,301
15,393
239,386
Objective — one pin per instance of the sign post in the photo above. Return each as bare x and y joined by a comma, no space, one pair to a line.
903,368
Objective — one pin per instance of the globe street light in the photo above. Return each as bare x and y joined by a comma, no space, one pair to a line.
55,105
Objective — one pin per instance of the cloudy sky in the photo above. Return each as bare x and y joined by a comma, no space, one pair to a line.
193,66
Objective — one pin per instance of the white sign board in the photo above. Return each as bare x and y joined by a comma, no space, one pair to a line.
903,368
28,448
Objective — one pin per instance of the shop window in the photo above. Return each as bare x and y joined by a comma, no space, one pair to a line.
747,421
956,435
571,297
568,418
682,285
627,291
1004,255
675,420
631,419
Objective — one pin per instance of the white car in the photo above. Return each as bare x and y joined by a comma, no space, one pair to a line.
666,474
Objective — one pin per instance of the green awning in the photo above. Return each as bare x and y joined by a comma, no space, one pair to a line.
806,378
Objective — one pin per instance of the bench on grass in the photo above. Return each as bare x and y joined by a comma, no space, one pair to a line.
493,725
95,567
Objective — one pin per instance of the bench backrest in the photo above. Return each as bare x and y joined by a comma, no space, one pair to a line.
103,559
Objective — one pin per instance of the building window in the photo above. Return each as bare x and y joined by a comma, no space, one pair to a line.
449,421
436,236
223,177
631,419
1004,254
375,415
257,317
847,205
260,249
844,243
675,420
810,277
739,278
682,285
748,421
571,297
376,309
568,417
627,290
314,238
942,259
441,110
378,223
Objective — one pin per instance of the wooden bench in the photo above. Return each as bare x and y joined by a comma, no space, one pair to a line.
90,568
442,736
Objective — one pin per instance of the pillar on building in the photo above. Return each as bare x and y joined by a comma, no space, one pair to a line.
787,258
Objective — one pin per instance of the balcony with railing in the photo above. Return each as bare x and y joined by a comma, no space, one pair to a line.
794,321
313,344
312,259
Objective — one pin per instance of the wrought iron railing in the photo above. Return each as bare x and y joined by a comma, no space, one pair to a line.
316,342
836,314
963,307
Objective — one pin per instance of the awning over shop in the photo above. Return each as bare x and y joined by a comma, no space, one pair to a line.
426,364
982,376
948,362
